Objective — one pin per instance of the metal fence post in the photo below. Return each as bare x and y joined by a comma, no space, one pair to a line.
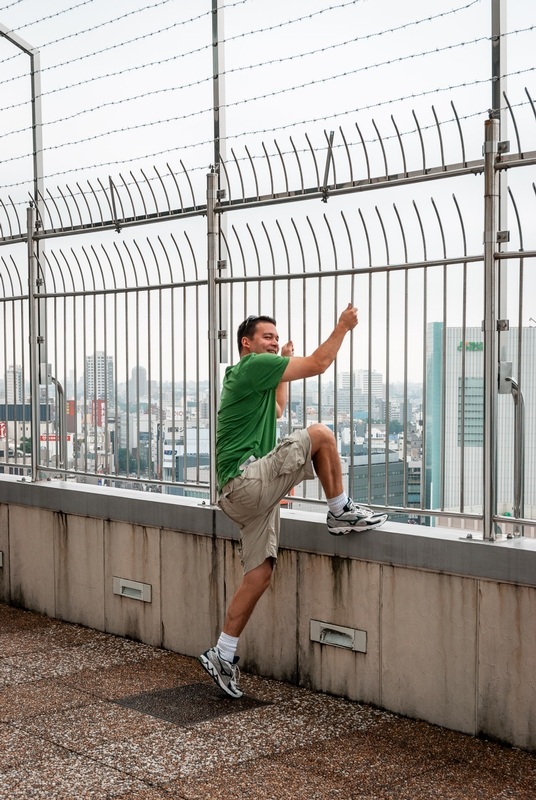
489,325
213,223
33,267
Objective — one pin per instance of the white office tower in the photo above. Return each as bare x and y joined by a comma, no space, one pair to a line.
376,383
14,389
100,378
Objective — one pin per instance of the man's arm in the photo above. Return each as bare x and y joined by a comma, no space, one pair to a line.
281,393
324,355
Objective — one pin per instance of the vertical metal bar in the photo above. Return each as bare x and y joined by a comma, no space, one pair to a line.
491,221
500,113
34,335
213,232
218,72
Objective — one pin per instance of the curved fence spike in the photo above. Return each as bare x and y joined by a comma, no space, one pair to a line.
367,238
62,226
112,270
311,148
4,293
512,115
237,237
148,182
269,169
284,244
364,151
228,182
254,172
162,184
300,243
299,164
252,237
66,206
41,219
8,221
132,263
91,270
51,274
421,140
239,174
269,246
315,240
16,214
531,101
330,160
138,187
423,236
177,248
138,248
464,162
228,251
189,183
403,232
333,245
383,150
283,165
168,260
462,225
350,165
91,223
97,201
127,188
99,265
402,151
193,255
75,204
516,212
176,185
349,235
386,242
16,271
438,127
440,223
80,270
120,256
149,242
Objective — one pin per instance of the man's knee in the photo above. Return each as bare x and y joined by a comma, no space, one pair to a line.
321,436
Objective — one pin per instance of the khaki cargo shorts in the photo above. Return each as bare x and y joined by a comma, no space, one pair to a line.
252,499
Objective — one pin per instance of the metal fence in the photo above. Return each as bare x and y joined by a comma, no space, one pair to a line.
110,376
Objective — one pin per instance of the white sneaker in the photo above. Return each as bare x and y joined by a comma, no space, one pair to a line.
225,674
354,518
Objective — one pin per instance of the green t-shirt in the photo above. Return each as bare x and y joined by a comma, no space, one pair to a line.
247,415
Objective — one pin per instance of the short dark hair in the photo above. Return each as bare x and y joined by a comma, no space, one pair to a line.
249,326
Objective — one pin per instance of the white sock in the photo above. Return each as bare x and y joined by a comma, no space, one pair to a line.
336,504
227,646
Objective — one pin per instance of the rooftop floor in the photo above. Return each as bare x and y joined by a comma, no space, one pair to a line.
85,714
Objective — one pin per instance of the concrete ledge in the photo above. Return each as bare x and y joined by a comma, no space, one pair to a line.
437,549
449,623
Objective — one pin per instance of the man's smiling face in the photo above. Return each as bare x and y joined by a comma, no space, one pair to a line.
265,340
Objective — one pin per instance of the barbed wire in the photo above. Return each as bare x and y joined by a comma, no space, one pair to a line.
122,44
306,54
277,93
102,25
14,3
51,16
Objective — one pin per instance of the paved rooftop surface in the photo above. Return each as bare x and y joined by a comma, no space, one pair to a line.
84,714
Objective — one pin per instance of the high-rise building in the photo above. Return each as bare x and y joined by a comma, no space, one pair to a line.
454,473
138,381
100,378
14,388
376,383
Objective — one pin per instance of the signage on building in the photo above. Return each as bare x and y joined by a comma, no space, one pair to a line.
2,430
51,437
472,347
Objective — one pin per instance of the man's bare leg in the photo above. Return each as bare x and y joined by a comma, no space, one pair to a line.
254,584
326,459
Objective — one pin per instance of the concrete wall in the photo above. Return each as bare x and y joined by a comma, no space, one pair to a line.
450,623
